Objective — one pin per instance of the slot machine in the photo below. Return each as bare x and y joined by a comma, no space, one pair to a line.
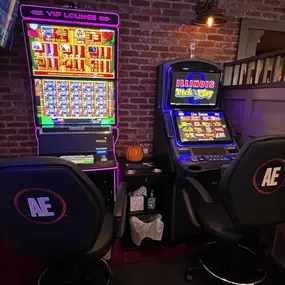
74,99
192,136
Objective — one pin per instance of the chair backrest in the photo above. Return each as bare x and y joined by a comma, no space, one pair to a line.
49,207
253,185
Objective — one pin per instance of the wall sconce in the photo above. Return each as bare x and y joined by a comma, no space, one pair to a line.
209,14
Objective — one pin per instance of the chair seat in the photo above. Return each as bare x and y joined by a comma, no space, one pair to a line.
105,238
217,222
234,265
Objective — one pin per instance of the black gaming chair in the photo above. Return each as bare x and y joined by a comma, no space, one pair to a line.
51,210
250,195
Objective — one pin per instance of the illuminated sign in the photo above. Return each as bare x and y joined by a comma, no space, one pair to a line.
194,88
56,14
195,83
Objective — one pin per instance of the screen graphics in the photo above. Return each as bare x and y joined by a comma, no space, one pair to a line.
74,102
194,88
69,51
197,127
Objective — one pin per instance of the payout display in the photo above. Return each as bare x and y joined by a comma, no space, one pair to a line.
202,126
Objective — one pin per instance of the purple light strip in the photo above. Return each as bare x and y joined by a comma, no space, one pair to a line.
26,46
99,169
37,139
70,22
67,9
34,115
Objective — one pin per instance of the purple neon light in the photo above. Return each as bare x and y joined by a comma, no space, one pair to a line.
71,10
26,46
68,22
99,169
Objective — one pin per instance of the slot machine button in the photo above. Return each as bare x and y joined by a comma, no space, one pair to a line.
201,159
194,159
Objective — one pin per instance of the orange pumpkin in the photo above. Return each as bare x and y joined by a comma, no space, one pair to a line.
134,153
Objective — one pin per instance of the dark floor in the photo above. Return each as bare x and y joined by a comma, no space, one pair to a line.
169,272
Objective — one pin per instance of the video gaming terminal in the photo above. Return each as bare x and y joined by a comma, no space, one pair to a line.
192,136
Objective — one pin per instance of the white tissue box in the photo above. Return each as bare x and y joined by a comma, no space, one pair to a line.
136,203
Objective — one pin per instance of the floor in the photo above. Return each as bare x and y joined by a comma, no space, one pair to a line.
168,272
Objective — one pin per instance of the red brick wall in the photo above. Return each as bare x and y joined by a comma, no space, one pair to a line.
151,32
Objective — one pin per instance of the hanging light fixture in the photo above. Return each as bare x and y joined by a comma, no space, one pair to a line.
209,14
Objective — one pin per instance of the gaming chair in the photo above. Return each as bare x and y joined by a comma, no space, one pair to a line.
51,210
250,195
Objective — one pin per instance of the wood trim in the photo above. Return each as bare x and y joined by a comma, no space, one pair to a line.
253,58
283,69
256,86
273,71
260,79
247,24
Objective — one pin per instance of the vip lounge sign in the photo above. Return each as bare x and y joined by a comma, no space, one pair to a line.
60,14
270,176
41,206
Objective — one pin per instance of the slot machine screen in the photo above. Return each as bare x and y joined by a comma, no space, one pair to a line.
74,102
202,127
194,89
70,51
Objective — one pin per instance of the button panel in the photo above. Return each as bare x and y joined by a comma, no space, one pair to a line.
207,158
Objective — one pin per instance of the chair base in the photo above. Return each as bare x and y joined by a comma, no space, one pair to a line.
233,265
84,273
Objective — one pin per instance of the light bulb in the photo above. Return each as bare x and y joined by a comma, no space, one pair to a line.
210,22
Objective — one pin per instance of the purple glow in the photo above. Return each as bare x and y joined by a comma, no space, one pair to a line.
99,169
68,22
32,93
37,139
67,9
26,46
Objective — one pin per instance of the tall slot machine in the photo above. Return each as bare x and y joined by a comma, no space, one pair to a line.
192,136
72,56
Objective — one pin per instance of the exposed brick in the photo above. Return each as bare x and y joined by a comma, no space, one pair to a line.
138,74
215,38
178,49
130,53
272,2
159,48
180,6
140,18
150,54
136,32
140,47
152,11
171,12
160,4
140,3
130,24
160,34
161,19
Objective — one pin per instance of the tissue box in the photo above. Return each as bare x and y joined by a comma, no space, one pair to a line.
136,203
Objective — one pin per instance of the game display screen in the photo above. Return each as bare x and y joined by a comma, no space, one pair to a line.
194,88
74,102
69,51
202,127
